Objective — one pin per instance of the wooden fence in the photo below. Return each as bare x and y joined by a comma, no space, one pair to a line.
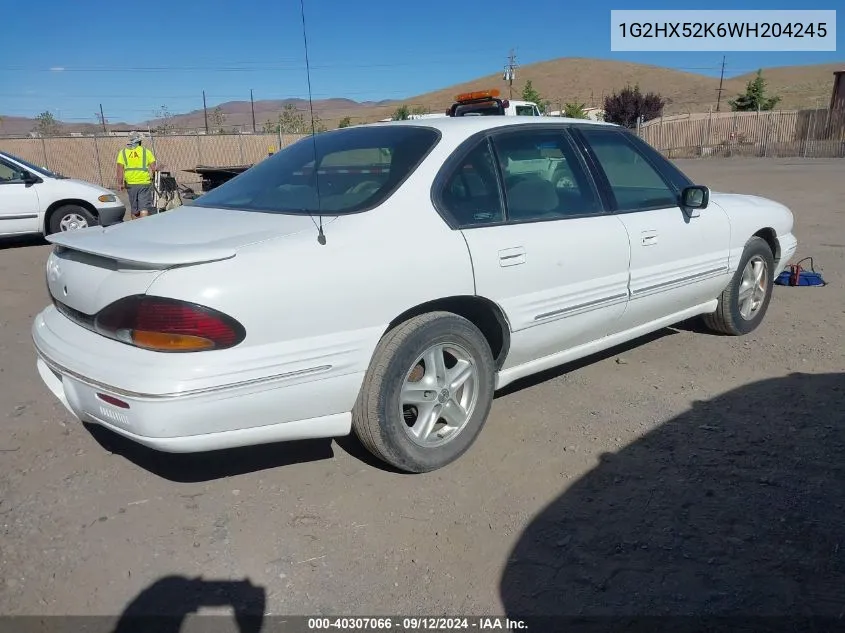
796,133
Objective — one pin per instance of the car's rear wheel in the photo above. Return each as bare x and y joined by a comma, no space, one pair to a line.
71,217
743,304
427,392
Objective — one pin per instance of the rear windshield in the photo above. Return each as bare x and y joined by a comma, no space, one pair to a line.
356,169
485,108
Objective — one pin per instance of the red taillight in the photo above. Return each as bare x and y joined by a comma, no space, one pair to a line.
168,325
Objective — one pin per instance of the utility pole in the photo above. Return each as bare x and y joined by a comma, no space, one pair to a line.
103,120
252,104
510,72
721,81
205,111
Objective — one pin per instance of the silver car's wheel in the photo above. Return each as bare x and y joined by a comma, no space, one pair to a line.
753,287
427,392
72,222
439,394
70,217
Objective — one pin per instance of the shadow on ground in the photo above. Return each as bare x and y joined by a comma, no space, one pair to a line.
736,507
560,370
164,606
198,467
22,241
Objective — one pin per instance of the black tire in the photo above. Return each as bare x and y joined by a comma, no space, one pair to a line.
67,211
377,419
728,319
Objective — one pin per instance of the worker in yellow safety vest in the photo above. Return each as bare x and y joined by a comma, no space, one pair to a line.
135,168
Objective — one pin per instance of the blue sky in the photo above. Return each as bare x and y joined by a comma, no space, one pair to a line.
157,54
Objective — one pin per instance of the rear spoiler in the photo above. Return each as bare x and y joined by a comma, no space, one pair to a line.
99,242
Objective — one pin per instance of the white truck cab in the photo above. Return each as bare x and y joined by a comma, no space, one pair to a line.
488,103
36,200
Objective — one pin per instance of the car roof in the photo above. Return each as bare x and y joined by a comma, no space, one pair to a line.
467,125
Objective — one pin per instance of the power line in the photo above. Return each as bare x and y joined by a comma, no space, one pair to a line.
259,66
239,69
94,95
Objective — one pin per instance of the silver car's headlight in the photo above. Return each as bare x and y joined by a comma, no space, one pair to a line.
107,197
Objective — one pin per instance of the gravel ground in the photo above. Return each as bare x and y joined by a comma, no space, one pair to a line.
684,474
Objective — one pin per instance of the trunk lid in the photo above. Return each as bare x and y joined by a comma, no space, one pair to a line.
93,267
183,236
87,283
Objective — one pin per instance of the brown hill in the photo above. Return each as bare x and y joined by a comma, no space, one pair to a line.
239,113
567,80
559,80
587,81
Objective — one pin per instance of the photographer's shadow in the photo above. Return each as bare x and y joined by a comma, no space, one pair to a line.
164,606
733,508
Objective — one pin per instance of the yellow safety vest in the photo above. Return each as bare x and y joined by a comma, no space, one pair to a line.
135,163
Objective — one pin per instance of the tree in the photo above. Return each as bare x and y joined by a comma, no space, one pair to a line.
575,111
319,126
165,119
530,93
419,110
345,122
218,119
402,113
47,125
755,97
625,107
291,120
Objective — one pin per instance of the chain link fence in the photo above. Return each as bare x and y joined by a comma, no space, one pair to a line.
788,134
94,158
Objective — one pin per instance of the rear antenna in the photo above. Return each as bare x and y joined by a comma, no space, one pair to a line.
321,237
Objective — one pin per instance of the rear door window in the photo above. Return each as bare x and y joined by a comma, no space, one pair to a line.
471,191
544,177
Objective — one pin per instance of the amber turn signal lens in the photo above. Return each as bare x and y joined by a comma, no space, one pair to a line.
165,342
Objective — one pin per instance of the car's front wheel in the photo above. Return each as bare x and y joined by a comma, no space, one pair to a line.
743,304
427,392
71,217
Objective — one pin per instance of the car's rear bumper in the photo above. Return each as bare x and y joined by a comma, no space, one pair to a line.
147,398
111,215
176,424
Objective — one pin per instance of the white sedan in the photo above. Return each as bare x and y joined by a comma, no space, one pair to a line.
35,200
390,291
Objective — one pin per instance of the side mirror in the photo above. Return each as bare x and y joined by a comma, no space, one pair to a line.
28,178
695,197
